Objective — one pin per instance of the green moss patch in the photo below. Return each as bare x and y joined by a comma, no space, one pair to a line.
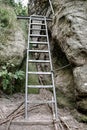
64,101
79,116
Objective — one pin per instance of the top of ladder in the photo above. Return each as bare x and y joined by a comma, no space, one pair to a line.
38,16
35,17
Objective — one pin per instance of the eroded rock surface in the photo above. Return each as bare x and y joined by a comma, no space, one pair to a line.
69,28
13,50
80,76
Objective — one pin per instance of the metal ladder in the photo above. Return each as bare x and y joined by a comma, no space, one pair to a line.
33,39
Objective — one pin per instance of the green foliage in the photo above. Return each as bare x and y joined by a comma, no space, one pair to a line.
8,19
20,10
9,78
8,2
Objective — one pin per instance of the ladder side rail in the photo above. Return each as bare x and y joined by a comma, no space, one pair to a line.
51,6
54,90
26,88
29,33
26,91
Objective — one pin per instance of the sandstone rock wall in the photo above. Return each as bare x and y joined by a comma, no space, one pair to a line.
13,50
70,30
69,36
12,41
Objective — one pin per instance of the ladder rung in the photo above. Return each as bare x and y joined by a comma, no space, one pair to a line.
31,72
41,51
37,29
36,35
38,16
40,86
38,61
38,19
37,24
36,42
40,102
27,17
41,17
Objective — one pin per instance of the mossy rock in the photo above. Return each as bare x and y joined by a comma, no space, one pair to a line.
64,101
12,41
79,116
8,17
82,105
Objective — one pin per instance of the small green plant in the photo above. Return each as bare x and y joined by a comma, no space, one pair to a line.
9,79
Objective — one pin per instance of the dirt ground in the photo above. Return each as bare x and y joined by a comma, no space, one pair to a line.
39,118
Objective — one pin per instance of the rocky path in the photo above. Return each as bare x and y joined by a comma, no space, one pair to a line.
40,116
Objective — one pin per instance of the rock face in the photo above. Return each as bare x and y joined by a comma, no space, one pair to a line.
40,7
69,29
13,50
80,78
12,41
69,45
